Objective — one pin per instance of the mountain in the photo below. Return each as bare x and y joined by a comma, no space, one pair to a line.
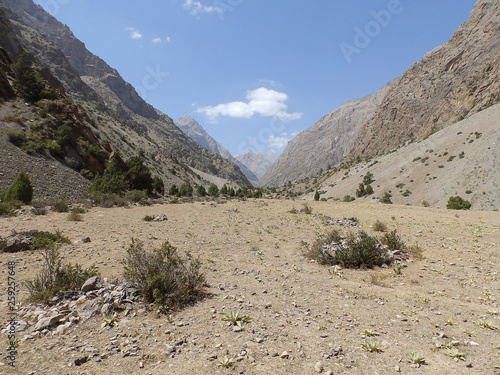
326,143
455,80
257,161
110,107
460,160
198,134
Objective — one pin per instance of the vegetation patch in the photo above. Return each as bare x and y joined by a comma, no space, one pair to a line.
163,276
458,203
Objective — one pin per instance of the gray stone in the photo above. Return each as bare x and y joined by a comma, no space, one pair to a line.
47,322
90,284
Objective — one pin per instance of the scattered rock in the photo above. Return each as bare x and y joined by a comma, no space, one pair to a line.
285,355
318,367
90,284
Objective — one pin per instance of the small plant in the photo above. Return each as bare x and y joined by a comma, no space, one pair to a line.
386,198
415,358
415,252
397,269
372,346
393,241
148,218
306,209
457,203
348,199
55,276
488,325
425,204
378,226
235,318
75,215
61,206
225,362
110,320
163,276
455,354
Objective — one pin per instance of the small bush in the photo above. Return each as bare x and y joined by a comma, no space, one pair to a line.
75,215
20,189
386,198
136,196
7,208
61,206
55,277
148,218
164,277
378,226
393,241
457,203
348,198
306,209
362,251
425,204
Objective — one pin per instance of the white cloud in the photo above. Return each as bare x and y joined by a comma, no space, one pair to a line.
156,41
196,7
168,39
278,142
261,101
134,33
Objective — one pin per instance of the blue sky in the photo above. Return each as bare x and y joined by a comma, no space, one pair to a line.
255,73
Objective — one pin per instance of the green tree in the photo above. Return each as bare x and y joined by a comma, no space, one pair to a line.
201,191
361,192
158,185
29,84
224,190
213,190
386,198
173,190
368,179
110,182
368,190
20,189
138,175
186,190
316,196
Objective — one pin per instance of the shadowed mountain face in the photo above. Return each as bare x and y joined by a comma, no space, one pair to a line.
257,161
125,120
324,144
451,82
196,132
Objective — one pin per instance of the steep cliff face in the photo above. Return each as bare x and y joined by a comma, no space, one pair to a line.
120,116
453,81
326,143
257,161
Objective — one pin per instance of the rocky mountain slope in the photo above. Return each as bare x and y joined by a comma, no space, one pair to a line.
110,106
257,161
453,81
461,160
197,133
326,143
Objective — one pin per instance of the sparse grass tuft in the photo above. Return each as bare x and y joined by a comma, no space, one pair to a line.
55,277
225,362
393,241
306,209
455,354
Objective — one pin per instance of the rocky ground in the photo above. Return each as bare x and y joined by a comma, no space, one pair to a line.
306,318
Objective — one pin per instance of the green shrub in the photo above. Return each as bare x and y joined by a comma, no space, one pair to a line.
201,191
55,277
457,203
306,209
164,277
362,251
174,190
43,240
138,175
75,215
61,206
29,84
7,208
348,198
386,198
378,226
137,196
316,196
393,241
158,185
20,190
186,190
213,190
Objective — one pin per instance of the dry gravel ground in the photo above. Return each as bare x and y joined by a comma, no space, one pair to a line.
253,259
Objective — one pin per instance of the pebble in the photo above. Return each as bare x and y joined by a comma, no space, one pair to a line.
318,367
285,355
